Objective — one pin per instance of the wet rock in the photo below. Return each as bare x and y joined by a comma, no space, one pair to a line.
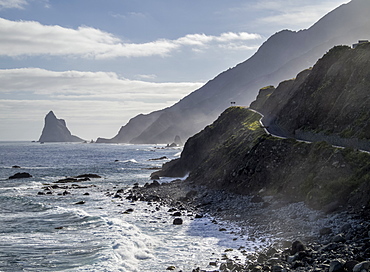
177,221
277,268
336,266
80,203
339,239
158,159
297,246
88,176
20,175
40,193
155,183
329,247
66,180
346,227
256,199
155,177
177,214
349,265
362,267
325,231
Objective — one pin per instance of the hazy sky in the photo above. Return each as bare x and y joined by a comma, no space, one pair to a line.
98,63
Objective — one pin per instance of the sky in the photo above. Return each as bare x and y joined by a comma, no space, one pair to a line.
98,63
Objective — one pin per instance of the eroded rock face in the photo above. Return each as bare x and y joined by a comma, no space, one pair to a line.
55,130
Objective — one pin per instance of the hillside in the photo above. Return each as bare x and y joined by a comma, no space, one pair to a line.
235,154
279,58
330,101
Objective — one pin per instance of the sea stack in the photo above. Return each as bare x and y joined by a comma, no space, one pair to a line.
55,130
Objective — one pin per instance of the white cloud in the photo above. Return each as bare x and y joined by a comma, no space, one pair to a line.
293,14
93,103
77,84
8,4
30,38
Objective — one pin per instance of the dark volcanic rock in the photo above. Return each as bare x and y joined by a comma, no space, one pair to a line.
20,175
55,130
89,176
177,221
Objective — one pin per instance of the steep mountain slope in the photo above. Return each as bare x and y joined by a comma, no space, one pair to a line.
332,100
55,130
235,154
280,57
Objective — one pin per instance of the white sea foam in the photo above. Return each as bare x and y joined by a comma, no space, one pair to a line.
50,232
130,160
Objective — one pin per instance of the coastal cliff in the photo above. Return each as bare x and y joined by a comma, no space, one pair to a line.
55,130
236,154
282,56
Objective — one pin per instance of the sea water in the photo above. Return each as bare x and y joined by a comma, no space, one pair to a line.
52,232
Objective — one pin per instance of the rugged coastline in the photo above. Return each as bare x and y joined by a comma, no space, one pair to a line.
310,195
336,241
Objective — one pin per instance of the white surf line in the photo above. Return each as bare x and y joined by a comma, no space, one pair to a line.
302,141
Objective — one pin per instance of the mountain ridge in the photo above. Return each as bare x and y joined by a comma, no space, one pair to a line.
235,154
282,56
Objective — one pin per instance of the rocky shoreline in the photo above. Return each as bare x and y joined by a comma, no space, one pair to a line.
300,239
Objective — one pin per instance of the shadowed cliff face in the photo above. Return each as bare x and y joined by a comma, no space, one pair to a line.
55,130
281,57
236,128
236,155
333,98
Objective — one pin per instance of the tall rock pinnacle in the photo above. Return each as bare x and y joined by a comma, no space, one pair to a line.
55,130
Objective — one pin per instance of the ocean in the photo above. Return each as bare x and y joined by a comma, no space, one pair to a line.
85,227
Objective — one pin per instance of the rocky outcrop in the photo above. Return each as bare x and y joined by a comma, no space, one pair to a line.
236,155
21,175
329,102
55,130
281,57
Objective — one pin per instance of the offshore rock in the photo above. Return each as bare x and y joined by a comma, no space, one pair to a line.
20,175
55,130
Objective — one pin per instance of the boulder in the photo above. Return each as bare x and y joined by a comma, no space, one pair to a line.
20,175
177,221
336,266
363,266
154,177
297,246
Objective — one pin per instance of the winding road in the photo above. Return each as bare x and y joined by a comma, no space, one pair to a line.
276,131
